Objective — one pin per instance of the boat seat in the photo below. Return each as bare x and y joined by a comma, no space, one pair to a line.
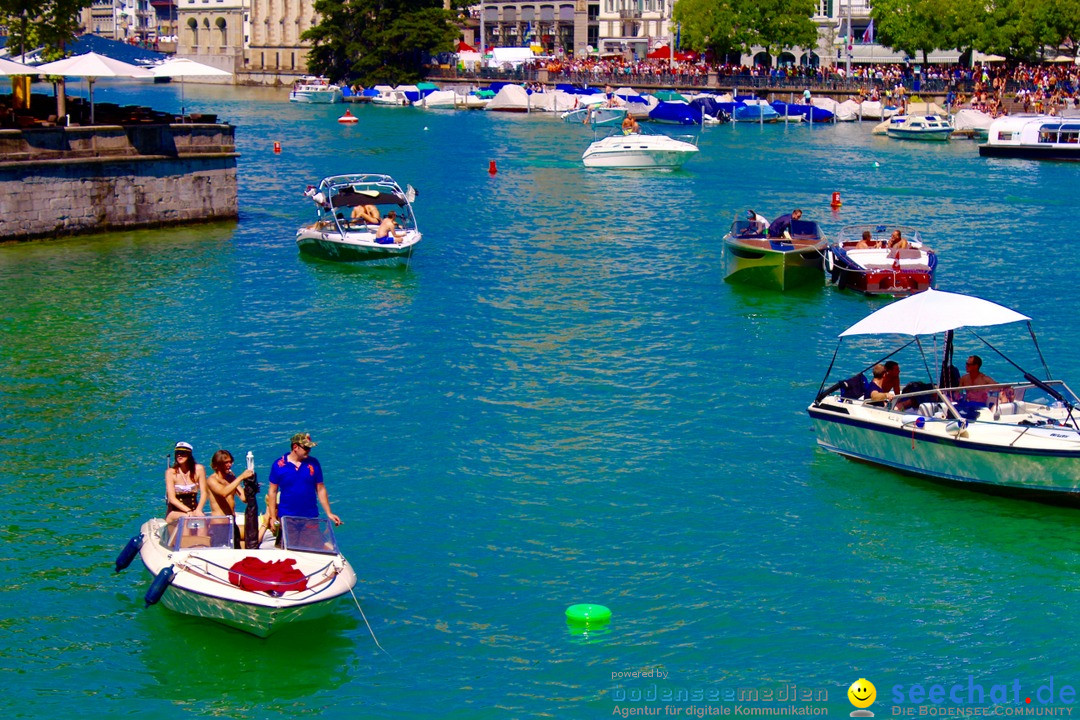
933,409
1011,408
905,254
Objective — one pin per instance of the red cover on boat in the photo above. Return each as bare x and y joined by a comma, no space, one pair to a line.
280,576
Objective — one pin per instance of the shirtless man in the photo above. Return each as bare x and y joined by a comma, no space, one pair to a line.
975,376
897,242
387,232
224,488
629,125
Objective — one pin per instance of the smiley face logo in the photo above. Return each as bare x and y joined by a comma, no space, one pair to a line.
862,694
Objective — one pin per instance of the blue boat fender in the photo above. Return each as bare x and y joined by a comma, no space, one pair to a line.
129,552
159,586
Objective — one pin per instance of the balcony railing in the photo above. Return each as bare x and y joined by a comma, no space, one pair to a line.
632,14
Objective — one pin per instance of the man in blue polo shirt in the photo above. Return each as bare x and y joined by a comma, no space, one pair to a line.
300,480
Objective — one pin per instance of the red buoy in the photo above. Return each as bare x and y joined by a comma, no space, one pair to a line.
348,118
277,147
836,202
491,167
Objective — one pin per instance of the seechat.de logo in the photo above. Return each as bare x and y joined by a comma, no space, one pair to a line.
862,695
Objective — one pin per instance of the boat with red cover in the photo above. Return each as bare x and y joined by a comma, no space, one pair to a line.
873,267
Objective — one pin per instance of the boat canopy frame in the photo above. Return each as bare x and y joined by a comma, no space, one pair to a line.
356,189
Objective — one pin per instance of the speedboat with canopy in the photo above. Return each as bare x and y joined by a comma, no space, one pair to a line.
198,570
1019,437
878,269
336,236
777,263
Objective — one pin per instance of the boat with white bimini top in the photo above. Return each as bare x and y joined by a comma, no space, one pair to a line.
876,265
639,151
1038,137
1017,438
351,224
199,571
312,89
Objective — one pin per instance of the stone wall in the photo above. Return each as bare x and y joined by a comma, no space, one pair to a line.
63,181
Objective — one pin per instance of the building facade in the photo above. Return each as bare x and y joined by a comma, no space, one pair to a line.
213,32
275,48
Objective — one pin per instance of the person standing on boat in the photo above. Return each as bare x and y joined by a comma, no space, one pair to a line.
224,488
975,376
185,485
781,226
299,478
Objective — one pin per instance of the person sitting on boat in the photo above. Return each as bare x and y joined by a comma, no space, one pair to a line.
975,376
365,215
630,125
224,488
867,241
781,226
300,479
185,485
388,232
875,391
756,224
897,242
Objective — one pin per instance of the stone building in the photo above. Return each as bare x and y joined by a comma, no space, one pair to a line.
276,52
213,32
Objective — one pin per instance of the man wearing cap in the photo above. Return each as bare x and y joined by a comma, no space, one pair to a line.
300,479
756,224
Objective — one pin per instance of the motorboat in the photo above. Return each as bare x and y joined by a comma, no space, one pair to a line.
676,112
598,115
639,151
778,263
334,236
312,89
1040,137
198,571
391,96
1019,437
879,269
510,98
754,110
796,111
919,127
972,123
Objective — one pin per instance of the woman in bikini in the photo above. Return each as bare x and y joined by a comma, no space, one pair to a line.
185,485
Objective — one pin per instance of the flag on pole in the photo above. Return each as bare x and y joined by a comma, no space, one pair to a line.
868,36
678,34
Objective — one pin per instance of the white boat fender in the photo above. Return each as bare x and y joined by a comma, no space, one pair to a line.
159,586
129,552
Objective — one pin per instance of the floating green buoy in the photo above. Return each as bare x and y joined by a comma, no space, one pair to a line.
587,614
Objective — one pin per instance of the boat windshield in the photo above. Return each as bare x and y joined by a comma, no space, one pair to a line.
308,535
210,531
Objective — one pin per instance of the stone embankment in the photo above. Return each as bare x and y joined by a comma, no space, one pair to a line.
62,181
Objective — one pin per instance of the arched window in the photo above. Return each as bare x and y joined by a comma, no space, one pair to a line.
221,25
193,26
764,59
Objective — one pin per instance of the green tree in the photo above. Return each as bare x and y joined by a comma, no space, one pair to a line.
1063,19
41,23
726,26
914,26
378,40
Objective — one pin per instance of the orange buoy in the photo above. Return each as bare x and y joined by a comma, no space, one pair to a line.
836,202
277,147
491,167
348,118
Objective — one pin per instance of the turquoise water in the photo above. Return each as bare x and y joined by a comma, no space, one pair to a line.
559,401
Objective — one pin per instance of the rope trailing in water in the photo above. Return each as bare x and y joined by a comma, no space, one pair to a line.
367,623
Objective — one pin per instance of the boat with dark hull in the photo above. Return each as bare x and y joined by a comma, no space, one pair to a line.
778,263
1036,137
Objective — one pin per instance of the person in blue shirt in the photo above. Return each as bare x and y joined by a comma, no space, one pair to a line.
781,226
298,477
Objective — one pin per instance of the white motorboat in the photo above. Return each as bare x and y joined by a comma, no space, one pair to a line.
919,127
638,151
1041,137
1019,438
391,96
311,89
197,571
335,236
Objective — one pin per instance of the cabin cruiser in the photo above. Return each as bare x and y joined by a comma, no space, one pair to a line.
335,235
639,151
1041,137
777,263
311,89
1018,437
919,127
873,267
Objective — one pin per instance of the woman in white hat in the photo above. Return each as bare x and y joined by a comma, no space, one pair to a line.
185,485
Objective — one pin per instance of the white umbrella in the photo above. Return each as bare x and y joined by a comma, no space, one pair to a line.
9,67
182,68
91,65
933,311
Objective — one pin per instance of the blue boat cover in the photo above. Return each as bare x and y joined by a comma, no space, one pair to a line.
675,112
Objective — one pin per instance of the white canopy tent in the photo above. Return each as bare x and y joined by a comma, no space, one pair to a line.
183,67
91,65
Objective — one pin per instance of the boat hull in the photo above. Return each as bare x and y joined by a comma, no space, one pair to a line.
924,135
331,246
1029,152
774,268
317,97
637,160
953,457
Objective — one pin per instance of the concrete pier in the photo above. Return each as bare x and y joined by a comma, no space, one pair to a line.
62,181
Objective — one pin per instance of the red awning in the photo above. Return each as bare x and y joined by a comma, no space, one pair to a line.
465,47
663,53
